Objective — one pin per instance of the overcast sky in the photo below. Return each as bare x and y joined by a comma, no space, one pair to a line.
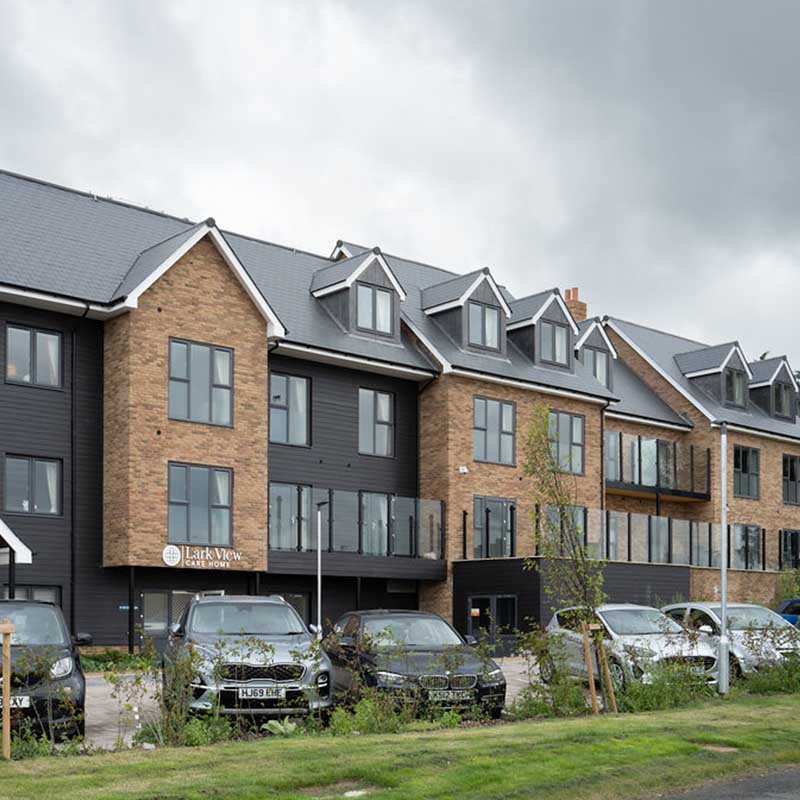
646,152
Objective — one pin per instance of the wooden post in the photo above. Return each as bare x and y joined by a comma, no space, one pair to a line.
587,654
611,698
6,629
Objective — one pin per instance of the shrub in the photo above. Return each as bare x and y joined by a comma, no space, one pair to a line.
210,729
450,719
562,697
116,661
779,677
277,727
377,713
668,685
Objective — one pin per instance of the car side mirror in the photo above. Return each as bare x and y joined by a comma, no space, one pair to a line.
82,639
706,629
175,630
471,641
314,628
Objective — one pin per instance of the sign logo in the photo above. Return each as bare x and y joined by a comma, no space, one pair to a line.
171,555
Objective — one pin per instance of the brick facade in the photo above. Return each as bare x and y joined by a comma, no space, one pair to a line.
198,299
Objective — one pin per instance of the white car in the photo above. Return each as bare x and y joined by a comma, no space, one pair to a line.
636,638
757,635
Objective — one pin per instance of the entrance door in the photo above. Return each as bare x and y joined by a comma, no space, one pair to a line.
494,617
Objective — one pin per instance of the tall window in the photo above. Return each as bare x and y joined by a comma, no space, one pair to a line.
791,479
745,472
289,514
484,325
493,431
554,342
782,394
33,356
597,362
565,433
734,387
288,409
496,541
200,382
374,308
199,504
32,485
375,423
746,547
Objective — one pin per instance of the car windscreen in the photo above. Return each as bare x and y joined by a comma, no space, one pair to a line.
639,622
751,617
407,630
35,625
265,619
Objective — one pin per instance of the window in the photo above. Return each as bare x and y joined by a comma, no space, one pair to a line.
375,423
374,523
791,479
45,594
200,504
288,409
493,431
32,485
200,382
484,326
555,343
565,433
734,387
613,461
782,394
746,547
289,515
498,540
597,362
33,356
374,310
745,472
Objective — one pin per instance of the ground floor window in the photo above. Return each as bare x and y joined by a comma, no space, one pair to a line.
745,547
47,594
790,549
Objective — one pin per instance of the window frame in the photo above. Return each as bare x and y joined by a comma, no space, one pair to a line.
500,431
572,443
31,460
33,331
545,358
210,468
739,451
507,530
271,405
392,425
482,345
374,289
788,459
606,355
787,393
740,376
213,348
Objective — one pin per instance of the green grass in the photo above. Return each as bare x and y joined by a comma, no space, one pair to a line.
627,756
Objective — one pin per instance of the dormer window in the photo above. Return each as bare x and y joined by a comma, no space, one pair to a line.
555,343
734,387
782,397
374,309
597,362
484,325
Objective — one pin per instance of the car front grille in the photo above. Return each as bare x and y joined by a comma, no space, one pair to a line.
699,662
433,681
463,681
280,673
445,682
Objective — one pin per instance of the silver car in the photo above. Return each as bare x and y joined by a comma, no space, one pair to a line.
252,655
757,635
636,638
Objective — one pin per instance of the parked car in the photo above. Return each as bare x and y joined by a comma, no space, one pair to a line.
256,657
757,635
636,638
414,654
789,610
48,686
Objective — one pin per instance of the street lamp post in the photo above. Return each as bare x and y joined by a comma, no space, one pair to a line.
320,506
723,664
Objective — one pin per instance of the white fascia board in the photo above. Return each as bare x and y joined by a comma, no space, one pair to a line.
738,350
555,297
703,372
775,374
43,300
646,421
761,434
588,332
22,553
484,276
354,362
354,275
339,250
426,342
531,387
668,378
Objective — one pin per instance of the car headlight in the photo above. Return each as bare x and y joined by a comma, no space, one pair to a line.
493,678
61,668
392,680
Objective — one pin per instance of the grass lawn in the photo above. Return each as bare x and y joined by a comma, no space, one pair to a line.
591,759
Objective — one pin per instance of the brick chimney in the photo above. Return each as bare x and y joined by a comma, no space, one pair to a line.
577,307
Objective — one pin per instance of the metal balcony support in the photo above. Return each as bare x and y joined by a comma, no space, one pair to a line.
763,549
464,534
780,549
630,549
443,530
487,517
691,467
512,529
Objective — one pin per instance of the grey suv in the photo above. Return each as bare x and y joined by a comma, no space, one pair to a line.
251,655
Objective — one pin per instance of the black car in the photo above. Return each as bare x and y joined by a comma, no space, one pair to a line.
47,683
413,653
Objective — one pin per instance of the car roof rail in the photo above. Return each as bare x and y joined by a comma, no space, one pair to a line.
209,593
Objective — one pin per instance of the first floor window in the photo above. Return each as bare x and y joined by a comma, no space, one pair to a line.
494,521
783,399
791,479
746,547
32,485
375,423
288,409
554,343
565,434
374,309
33,356
493,430
200,382
734,387
200,504
745,472
483,326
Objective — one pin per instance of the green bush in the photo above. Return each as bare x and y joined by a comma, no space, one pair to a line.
780,677
210,729
450,719
562,697
668,686
115,661
374,714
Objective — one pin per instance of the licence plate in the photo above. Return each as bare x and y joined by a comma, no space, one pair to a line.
262,693
18,701
449,695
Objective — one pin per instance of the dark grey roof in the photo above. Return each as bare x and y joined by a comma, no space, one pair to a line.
353,248
526,307
704,358
639,400
661,348
450,289
764,369
337,272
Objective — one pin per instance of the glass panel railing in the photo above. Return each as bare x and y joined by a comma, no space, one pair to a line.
617,536
404,516
649,457
659,540
700,544
630,459
595,533
345,522
430,529
715,544
639,534
681,538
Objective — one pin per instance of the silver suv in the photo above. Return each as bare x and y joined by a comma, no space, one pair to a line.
251,655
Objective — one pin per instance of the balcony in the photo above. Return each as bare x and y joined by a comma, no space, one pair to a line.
369,534
650,468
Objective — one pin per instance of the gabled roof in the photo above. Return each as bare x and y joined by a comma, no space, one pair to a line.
454,292
708,360
587,327
765,371
11,543
344,272
528,310
344,249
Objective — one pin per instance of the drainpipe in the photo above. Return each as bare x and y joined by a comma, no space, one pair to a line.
723,679
603,520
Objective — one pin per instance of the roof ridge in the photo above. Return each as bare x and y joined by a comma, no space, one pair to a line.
732,343
281,246
658,330
456,278
535,294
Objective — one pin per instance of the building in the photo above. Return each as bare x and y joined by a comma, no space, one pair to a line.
182,404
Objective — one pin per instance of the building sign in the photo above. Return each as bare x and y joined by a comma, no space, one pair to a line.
194,557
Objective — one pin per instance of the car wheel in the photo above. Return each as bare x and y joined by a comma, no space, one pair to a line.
496,712
547,669
618,677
